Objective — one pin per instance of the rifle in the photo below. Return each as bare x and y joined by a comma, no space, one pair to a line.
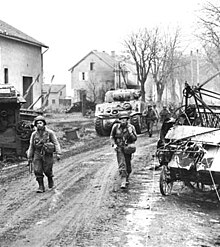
30,167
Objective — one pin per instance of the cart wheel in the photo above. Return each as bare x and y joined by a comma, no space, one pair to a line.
165,185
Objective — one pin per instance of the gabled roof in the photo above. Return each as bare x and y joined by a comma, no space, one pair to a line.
7,31
105,57
55,88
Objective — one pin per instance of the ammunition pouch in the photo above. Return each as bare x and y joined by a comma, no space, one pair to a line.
49,147
130,148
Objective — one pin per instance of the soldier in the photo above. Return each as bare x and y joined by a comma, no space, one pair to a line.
151,117
156,111
164,114
123,136
43,143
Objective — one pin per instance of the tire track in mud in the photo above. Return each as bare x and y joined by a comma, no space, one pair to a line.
86,212
88,208
69,208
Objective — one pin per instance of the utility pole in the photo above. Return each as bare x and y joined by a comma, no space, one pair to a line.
197,63
191,56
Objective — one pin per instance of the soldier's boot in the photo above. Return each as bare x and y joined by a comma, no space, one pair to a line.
50,182
123,182
41,188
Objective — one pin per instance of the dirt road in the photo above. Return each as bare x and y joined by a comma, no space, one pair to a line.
87,208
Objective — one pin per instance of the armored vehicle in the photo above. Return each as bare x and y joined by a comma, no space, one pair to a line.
117,101
189,146
15,124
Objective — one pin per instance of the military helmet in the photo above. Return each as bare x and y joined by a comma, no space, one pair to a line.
124,115
39,118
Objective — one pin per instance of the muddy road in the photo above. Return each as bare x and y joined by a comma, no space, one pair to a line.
88,208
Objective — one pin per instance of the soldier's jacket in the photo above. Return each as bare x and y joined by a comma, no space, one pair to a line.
121,136
164,114
151,115
37,141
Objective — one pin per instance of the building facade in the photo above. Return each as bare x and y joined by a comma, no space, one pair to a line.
21,63
54,97
97,73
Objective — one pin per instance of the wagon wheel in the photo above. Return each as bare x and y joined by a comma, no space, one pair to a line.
165,184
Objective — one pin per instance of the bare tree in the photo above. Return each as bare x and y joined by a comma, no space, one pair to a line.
140,46
165,61
92,90
209,32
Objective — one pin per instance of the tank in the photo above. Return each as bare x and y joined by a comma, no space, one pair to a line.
15,126
117,101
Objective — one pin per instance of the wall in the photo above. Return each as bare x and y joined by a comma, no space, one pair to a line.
21,60
101,74
55,100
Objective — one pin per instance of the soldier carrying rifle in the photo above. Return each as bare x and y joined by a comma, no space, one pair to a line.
123,136
43,144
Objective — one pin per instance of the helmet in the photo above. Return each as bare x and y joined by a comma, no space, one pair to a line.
124,115
39,118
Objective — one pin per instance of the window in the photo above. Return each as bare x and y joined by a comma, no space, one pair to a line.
53,101
61,93
83,76
6,75
92,66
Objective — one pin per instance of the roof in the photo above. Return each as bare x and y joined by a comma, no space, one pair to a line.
55,88
8,31
105,57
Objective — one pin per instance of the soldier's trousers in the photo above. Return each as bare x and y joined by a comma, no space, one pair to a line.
43,165
150,125
124,163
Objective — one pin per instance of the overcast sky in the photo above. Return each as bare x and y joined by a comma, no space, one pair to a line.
72,28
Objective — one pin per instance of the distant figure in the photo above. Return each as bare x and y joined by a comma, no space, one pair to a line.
123,136
164,114
43,143
151,117
156,111
157,114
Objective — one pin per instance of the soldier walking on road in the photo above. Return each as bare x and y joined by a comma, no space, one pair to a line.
157,115
151,117
123,137
164,114
43,143
156,111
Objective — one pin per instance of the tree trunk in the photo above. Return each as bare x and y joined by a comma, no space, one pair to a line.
142,91
160,89
159,95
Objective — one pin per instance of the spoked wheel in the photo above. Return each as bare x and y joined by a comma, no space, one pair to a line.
165,184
